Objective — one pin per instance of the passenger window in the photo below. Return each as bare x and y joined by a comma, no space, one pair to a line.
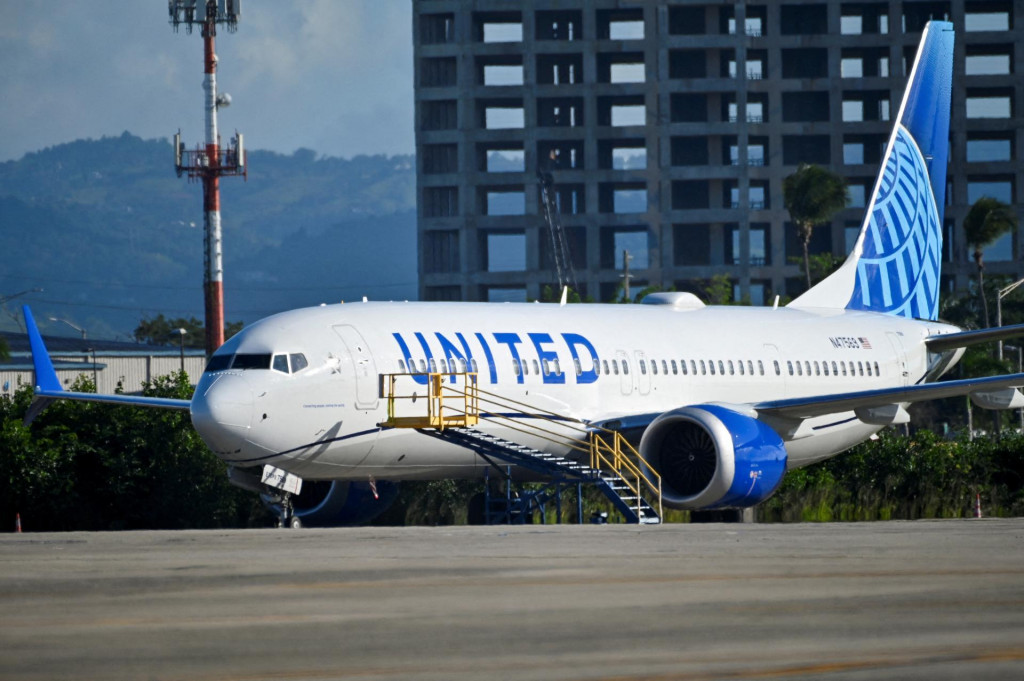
790,365
843,365
605,362
740,363
693,368
423,367
807,365
721,368
711,365
860,368
817,370
472,363
625,367
615,366
401,366
443,365
433,365
778,369
731,371
826,367
579,369
750,367
799,369
877,372
675,368
281,363
536,368
643,367
597,367
835,369
760,368
545,367
654,367
515,367
526,367
664,366
558,366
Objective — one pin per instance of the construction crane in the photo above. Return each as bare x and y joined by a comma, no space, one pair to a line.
559,243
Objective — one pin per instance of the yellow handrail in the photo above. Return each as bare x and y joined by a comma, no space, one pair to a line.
618,458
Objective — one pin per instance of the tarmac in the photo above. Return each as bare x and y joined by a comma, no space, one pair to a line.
908,600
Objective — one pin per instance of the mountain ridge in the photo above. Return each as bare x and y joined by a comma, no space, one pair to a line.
113,236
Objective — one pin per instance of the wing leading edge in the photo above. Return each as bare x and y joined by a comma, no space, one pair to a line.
822,405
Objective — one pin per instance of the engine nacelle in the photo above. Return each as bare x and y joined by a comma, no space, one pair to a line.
710,456
337,503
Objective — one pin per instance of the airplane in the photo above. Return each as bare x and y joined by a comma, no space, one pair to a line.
721,400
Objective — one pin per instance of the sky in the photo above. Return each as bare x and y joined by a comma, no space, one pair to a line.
335,76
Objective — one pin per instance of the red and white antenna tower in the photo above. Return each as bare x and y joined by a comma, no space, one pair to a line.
209,162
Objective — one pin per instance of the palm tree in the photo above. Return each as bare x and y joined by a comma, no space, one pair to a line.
813,195
987,220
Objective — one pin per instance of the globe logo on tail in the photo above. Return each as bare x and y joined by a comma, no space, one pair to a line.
898,270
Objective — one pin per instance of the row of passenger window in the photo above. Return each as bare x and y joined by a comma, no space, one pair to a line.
848,368
694,367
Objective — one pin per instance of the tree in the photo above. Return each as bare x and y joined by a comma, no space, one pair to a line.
987,220
813,195
5,351
159,330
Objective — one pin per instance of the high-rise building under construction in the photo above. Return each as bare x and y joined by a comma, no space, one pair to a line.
665,130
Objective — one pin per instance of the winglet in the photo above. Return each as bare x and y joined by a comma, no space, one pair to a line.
46,375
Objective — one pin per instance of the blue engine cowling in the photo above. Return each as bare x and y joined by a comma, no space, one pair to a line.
337,503
710,456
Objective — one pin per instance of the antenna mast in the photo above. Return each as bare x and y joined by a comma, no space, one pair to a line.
209,162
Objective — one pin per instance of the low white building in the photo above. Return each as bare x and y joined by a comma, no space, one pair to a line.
106,362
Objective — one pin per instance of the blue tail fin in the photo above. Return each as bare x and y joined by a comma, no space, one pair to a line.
894,266
46,375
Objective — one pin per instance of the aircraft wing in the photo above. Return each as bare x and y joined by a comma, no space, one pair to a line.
821,405
48,387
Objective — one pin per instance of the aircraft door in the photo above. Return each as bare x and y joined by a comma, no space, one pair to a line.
625,379
643,369
363,366
901,357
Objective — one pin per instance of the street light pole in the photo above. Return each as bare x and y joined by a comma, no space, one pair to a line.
180,333
1003,292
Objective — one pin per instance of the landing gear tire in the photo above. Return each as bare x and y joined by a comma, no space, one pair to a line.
295,523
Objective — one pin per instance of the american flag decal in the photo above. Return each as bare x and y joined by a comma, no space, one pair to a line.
865,343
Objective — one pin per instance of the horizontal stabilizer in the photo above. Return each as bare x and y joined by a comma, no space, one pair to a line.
952,341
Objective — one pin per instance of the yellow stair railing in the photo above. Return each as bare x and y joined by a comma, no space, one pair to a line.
439,415
457,405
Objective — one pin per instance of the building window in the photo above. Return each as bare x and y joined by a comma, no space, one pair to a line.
853,153
987,21
993,106
852,67
981,150
853,111
505,251
987,65
504,202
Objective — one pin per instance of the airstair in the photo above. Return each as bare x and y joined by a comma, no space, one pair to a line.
581,454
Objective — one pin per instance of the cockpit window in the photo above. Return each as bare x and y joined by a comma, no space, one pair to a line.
219,362
251,362
298,362
280,363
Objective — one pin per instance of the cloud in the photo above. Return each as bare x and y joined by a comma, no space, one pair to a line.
332,76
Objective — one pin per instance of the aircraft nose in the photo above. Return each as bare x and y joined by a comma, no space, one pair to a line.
222,413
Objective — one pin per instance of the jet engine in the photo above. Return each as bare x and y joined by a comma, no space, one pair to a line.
337,503
710,456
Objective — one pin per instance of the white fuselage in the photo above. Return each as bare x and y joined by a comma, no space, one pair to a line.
321,422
